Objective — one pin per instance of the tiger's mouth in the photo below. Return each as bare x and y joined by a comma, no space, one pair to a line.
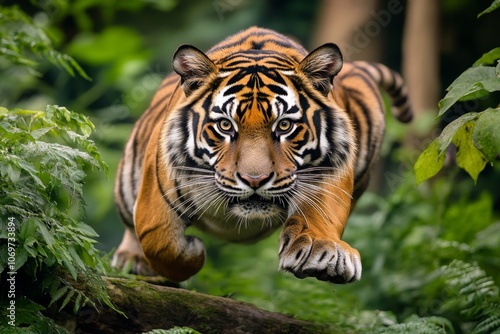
255,199
252,198
256,207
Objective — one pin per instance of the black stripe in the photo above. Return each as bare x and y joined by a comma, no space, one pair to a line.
281,180
143,122
124,217
358,98
147,231
270,40
233,89
237,63
162,190
402,100
122,196
134,162
406,115
276,89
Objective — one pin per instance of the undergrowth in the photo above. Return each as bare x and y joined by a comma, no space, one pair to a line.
43,241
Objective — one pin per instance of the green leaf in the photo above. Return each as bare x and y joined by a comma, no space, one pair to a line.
58,294
75,257
27,229
87,230
468,156
451,129
489,58
11,170
32,171
67,299
38,133
47,236
473,83
69,266
78,303
86,129
21,257
494,5
486,135
429,163
28,246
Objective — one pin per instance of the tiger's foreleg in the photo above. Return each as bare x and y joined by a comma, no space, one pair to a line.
159,230
310,244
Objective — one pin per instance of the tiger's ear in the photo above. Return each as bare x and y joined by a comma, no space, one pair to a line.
193,66
321,65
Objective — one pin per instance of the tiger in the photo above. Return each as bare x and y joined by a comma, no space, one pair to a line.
254,135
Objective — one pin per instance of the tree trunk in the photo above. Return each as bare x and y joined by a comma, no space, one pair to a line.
344,22
421,54
149,306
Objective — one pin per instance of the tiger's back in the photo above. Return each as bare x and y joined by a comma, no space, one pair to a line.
355,92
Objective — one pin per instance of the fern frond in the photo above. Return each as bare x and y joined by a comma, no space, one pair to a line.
421,325
488,325
476,293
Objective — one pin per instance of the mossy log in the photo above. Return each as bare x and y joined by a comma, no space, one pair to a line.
147,306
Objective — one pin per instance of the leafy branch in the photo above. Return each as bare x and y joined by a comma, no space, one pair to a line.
21,39
41,188
494,5
475,134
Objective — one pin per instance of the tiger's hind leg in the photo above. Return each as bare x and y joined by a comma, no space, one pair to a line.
129,256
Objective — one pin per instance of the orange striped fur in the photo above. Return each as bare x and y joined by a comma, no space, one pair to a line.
256,134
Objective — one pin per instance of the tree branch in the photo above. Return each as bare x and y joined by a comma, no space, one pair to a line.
149,306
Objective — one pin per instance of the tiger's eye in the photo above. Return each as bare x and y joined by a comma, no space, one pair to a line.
284,125
225,125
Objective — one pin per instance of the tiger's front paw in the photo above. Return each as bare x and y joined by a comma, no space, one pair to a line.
327,260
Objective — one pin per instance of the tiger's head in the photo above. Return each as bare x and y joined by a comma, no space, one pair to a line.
257,133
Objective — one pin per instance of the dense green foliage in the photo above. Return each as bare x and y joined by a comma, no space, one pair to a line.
41,192
20,38
43,159
474,134
430,254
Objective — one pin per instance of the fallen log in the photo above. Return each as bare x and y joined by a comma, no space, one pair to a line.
147,306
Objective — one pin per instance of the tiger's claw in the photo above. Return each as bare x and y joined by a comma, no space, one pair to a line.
327,260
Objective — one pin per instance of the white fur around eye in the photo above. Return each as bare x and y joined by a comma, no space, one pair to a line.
220,100
289,100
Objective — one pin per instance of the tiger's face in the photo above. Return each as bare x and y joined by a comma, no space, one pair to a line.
248,142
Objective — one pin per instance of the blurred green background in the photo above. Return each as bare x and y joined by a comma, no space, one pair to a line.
404,233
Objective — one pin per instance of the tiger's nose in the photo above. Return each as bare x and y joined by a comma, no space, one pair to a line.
255,181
